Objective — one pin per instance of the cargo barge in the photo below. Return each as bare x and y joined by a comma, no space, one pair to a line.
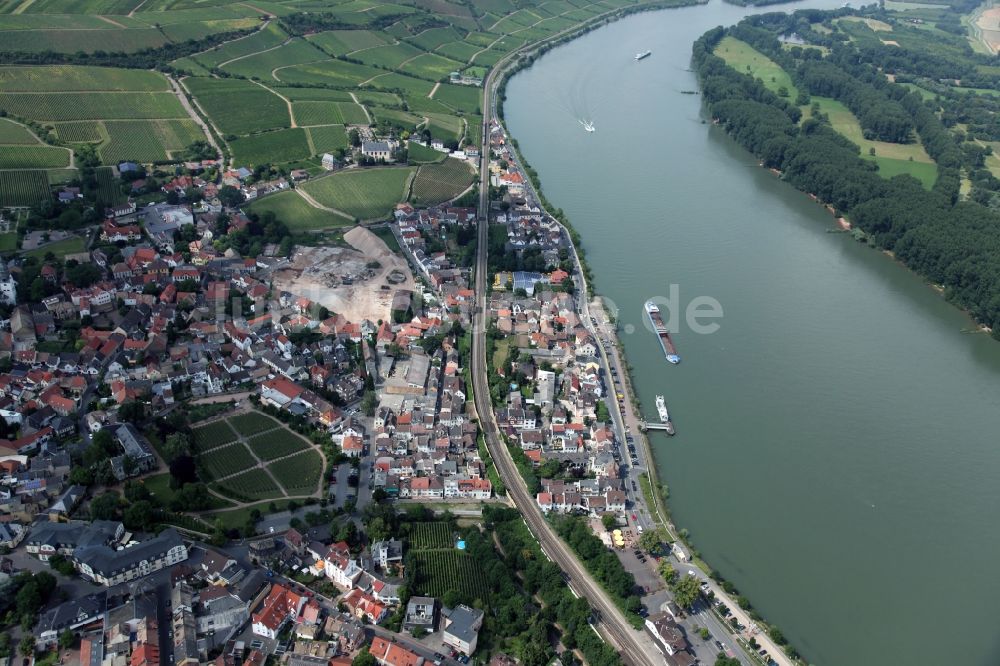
662,333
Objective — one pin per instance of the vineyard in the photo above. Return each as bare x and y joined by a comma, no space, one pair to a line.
239,107
366,194
285,145
299,474
327,139
438,572
329,113
148,140
277,444
250,486
212,435
13,134
92,106
225,460
252,423
23,188
66,78
440,182
430,536
33,157
296,213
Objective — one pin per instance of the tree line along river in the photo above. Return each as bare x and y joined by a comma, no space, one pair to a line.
838,446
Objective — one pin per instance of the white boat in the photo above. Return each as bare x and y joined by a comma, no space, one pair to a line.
588,126
643,54
661,408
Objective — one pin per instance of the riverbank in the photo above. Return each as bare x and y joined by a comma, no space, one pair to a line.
752,633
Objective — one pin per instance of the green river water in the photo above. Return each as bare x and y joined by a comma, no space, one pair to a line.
838,446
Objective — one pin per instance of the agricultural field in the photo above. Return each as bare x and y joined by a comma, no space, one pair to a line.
33,157
261,65
744,58
430,536
438,571
366,194
12,133
390,56
328,138
92,105
436,183
109,189
428,40
299,474
76,78
329,73
313,94
277,444
238,107
252,423
266,38
342,42
211,435
444,126
421,154
296,213
431,66
147,140
253,485
462,51
23,188
81,131
328,113
282,146
460,98
223,461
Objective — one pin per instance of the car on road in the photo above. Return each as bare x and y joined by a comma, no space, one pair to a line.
633,517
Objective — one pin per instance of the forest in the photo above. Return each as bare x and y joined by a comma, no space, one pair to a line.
950,239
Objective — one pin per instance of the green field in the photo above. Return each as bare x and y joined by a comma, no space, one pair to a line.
277,444
744,58
261,65
109,188
421,154
892,158
436,183
328,139
81,131
460,98
299,474
147,140
59,248
328,113
23,188
364,193
287,145
92,105
341,42
431,66
329,73
12,133
252,423
429,40
430,536
313,94
445,127
239,107
33,157
266,38
255,484
296,213
439,571
225,460
211,435
71,78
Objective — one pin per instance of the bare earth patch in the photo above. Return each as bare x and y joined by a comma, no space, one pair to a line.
347,281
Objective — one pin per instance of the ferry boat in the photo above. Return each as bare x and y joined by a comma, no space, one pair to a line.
644,54
661,408
662,333
588,126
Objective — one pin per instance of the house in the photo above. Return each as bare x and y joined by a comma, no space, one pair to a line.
665,629
387,552
72,614
363,605
279,392
420,612
389,653
461,627
136,447
280,606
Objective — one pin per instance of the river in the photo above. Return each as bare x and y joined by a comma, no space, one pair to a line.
837,452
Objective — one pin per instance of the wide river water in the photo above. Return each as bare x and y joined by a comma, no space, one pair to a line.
838,446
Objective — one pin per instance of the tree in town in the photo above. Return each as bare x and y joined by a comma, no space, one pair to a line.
369,403
67,639
609,521
27,646
364,658
667,571
105,506
722,660
650,540
685,590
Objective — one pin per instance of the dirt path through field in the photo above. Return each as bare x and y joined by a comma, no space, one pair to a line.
288,102
315,204
232,60
430,95
363,107
24,6
176,87
114,23
134,9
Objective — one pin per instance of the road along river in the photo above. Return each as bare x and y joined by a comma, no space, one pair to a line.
838,447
